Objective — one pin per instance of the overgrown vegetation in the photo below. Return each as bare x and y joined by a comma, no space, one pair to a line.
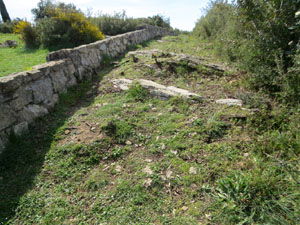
262,37
120,23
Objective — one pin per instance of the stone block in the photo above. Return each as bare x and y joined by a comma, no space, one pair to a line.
20,128
7,116
31,112
42,89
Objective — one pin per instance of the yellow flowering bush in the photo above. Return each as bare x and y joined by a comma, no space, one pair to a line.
20,27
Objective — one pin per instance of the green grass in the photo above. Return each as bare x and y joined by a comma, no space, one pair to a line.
19,59
129,158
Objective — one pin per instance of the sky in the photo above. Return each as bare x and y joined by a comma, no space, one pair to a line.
183,14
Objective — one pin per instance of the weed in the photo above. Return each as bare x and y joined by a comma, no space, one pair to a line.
138,93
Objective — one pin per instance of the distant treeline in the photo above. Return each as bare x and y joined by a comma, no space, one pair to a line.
57,24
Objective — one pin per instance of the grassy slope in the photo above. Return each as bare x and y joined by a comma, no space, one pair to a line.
186,162
19,59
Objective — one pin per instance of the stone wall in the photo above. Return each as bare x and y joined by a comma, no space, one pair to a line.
28,95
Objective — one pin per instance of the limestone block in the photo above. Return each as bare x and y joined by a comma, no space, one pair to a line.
59,81
42,89
230,102
21,128
50,103
31,112
7,116
155,89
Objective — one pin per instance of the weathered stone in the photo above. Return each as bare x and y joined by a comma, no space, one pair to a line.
103,47
23,96
50,103
9,43
156,89
21,128
31,112
123,84
230,102
36,74
59,81
42,90
7,116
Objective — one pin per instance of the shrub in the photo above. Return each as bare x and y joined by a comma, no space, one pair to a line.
7,27
120,23
67,28
28,32
262,36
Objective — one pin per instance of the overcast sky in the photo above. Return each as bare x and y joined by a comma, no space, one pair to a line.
182,13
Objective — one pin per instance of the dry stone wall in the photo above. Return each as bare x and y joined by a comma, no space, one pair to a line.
28,95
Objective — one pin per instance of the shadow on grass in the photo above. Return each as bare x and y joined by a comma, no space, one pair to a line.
24,156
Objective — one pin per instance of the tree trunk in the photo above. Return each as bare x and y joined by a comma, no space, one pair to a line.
4,13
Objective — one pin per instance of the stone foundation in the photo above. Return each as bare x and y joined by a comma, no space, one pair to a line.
28,95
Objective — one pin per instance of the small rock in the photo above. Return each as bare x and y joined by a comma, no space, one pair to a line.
147,183
185,208
169,174
118,168
67,132
128,143
148,170
148,160
193,171
163,147
246,154
230,102
93,128
150,105
174,152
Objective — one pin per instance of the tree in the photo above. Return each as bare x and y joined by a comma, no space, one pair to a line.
3,11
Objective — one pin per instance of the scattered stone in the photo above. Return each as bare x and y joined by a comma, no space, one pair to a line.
148,170
169,174
163,147
9,43
67,132
118,168
128,143
174,152
147,183
185,208
93,129
148,160
193,171
230,102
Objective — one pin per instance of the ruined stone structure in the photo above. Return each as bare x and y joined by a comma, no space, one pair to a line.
28,95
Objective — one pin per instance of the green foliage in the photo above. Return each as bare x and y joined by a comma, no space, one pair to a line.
58,25
120,23
255,198
138,93
8,27
120,130
262,36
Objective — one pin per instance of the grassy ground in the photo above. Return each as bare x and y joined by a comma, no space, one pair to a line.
19,59
104,156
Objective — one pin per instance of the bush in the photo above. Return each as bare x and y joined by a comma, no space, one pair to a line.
67,29
58,25
262,36
6,27
120,23
28,32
